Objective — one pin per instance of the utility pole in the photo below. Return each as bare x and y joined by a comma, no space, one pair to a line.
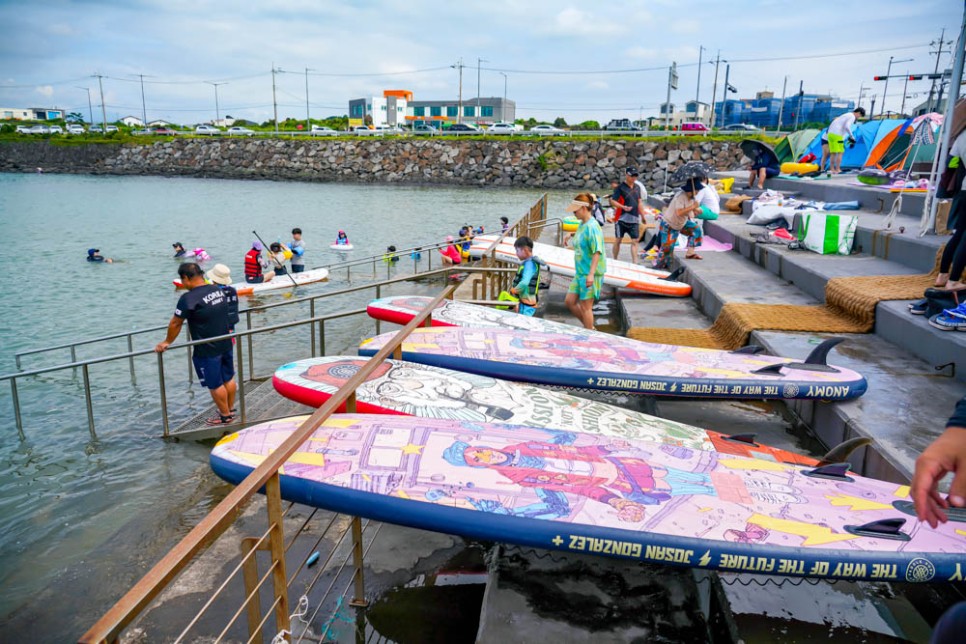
459,108
872,106
905,86
100,84
724,95
478,100
274,102
862,89
217,113
939,53
90,106
672,83
697,92
144,111
801,98
308,121
781,106
885,92
714,88
503,110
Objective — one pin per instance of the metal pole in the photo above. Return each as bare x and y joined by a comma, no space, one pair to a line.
16,408
251,351
274,102
885,92
312,326
714,88
503,111
241,383
697,92
191,371
164,397
144,109
130,349
667,110
90,105
905,86
87,399
781,108
724,96
479,101
932,85
308,120
801,98
100,84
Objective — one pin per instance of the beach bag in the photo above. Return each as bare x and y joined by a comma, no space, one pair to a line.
827,234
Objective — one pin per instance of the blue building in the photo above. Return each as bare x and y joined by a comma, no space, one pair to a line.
763,110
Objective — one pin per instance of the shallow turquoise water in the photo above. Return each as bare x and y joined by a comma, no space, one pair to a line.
84,518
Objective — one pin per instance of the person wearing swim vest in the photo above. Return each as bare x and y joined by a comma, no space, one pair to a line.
255,265
526,283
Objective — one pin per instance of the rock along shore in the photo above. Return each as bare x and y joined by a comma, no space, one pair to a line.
540,163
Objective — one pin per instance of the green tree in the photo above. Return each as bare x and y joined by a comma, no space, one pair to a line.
588,125
560,122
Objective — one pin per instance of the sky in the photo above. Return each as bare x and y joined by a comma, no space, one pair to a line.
556,58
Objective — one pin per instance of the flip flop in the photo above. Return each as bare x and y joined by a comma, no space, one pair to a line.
695,256
221,420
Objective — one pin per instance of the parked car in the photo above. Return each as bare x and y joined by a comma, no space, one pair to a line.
547,130
425,130
75,128
694,127
111,128
740,127
23,129
163,131
39,129
240,131
56,129
96,129
504,128
144,131
321,130
462,128
209,130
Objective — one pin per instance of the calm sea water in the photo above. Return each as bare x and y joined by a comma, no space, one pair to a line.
83,518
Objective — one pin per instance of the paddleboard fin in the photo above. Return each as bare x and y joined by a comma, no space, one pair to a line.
816,360
751,349
675,274
881,529
748,439
833,471
819,355
773,368
953,513
842,451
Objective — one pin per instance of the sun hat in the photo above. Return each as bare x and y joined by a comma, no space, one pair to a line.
177,245
449,238
576,205
219,274
257,245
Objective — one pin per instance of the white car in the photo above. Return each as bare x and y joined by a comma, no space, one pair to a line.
23,129
40,129
75,128
547,130
56,129
111,128
209,130
321,130
504,128
240,131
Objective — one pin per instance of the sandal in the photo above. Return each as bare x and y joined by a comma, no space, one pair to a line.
221,420
695,256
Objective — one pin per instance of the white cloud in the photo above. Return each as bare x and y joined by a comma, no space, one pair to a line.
641,53
574,22
45,90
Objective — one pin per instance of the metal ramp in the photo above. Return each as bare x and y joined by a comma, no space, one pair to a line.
262,403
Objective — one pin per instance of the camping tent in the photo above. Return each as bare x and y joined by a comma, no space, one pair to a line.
793,146
867,134
912,141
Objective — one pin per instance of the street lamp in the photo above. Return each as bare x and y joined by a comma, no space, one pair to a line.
90,106
503,111
885,92
215,85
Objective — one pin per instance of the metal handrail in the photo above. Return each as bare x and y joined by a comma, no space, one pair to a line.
109,627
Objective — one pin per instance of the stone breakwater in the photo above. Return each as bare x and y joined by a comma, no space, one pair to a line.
524,163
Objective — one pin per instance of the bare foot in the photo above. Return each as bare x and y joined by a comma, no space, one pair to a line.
941,279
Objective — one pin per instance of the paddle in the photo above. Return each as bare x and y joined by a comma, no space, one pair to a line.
275,259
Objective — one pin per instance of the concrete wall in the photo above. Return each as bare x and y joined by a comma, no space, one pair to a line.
532,163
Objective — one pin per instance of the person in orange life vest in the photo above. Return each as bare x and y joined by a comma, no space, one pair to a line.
255,265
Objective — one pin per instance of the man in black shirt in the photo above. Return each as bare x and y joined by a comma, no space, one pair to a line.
628,214
206,308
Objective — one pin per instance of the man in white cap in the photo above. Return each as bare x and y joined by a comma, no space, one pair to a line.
221,275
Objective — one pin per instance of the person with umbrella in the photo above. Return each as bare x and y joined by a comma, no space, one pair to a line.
678,218
764,162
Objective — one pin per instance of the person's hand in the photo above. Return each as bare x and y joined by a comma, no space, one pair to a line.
161,346
589,281
946,454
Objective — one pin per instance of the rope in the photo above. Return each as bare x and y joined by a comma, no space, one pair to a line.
849,308
301,610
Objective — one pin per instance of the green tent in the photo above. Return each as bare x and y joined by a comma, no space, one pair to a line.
793,146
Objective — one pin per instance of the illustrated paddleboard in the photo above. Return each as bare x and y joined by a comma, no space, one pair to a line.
407,388
561,261
607,496
611,363
279,281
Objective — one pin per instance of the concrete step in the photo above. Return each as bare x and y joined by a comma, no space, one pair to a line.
907,403
810,272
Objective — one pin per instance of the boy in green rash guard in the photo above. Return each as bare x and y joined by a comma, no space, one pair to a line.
526,283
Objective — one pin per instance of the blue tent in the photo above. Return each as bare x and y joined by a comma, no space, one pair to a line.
867,135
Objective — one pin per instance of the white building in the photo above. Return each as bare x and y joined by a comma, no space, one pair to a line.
132,121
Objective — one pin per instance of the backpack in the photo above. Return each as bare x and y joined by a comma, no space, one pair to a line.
598,213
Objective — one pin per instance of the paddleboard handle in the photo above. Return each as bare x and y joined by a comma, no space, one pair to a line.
748,439
832,471
881,529
751,349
